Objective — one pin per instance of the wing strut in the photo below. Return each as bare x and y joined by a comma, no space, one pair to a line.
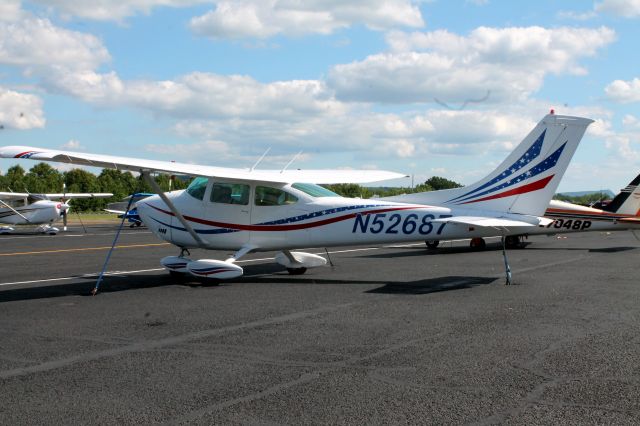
147,177
15,211
507,268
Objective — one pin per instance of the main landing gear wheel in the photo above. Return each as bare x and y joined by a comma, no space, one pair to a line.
512,242
477,243
296,271
432,245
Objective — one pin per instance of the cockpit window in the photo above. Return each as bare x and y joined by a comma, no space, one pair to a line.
267,196
314,190
230,193
197,187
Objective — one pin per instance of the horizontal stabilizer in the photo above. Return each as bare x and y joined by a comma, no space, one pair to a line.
495,222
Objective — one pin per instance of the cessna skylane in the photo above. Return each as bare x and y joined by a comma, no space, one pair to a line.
249,210
622,214
37,209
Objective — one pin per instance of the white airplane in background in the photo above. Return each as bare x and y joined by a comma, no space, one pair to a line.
37,209
622,214
249,210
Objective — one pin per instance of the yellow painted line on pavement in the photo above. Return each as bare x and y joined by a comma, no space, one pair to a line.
83,249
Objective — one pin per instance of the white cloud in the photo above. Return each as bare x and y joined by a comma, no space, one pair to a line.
202,95
20,110
510,63
111,10
266,18
37,44
624,91
624,8
576,16
366,134
216,152
10,10
631,122
72,144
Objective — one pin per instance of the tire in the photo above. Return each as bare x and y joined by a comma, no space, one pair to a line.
296,271
432,244
477,243
512,242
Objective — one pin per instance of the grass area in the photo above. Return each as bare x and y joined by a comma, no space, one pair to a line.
92,217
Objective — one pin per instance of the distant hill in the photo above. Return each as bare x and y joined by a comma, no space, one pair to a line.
606,192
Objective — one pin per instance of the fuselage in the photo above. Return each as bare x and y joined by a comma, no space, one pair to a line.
38,212
270,216
568,217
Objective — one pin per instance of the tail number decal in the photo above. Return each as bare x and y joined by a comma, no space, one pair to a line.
396,224
575,225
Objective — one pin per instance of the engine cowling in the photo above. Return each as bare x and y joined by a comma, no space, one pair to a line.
218,269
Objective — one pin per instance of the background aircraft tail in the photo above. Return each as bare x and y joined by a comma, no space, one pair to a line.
527,179
627,201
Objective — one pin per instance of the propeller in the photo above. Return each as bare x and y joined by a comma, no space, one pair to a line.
64,207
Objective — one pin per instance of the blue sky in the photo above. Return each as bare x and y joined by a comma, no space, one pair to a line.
360,84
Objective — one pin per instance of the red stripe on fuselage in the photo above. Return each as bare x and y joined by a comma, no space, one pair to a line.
533,186
292,227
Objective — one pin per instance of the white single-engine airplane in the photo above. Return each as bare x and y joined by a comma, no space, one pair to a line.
37,209
623,213
248,210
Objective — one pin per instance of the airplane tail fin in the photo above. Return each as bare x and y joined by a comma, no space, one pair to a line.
527,179
627,201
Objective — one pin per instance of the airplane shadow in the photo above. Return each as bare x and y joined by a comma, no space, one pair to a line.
440,251
491,247
261,274
590,250
433,285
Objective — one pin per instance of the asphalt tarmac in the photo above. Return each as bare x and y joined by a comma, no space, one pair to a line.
387,335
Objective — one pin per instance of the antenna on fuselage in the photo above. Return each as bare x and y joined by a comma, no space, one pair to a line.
291,161
260,159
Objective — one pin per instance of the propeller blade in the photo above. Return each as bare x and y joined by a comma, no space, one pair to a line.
64,203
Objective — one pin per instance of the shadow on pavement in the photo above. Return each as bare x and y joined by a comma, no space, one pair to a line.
259,274
433,285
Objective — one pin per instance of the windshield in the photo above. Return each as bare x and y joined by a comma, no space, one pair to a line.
197,187
314,190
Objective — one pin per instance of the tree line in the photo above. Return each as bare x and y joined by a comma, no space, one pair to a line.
42,179
585,200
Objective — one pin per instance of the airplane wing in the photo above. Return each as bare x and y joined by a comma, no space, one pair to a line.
6,196
496,222
70,195
138,165
114,211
